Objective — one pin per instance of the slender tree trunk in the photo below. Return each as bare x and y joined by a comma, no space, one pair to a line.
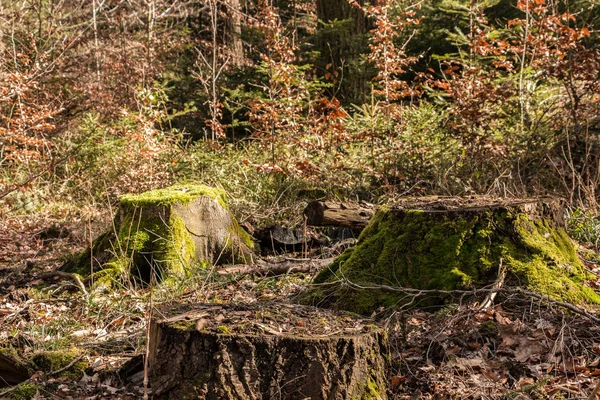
235,34
344,52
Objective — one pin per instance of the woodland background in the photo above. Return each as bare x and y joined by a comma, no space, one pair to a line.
279,103
271,100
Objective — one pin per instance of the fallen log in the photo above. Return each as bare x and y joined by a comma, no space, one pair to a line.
264,351
347,215
279,268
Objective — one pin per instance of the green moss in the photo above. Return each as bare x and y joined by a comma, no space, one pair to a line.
184,325
49,361
369,390
223,329
244,236
158,247
428,250
80,263
112,273
26,391
182,194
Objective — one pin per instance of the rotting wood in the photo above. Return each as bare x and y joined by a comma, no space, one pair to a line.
347,215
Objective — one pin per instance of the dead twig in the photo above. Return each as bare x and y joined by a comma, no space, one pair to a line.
74,277
489,300
592,395
66,367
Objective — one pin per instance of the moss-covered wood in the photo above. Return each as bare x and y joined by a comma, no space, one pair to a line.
453,244
265,351
164,234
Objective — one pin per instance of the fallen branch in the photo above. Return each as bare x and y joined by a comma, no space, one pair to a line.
592,395
347,215
66,367
489,300
74,277
271,269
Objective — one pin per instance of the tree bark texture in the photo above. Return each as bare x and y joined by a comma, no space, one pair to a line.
12,372
188,361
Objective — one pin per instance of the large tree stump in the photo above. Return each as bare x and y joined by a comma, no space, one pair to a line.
450,243
264,351
346,215
162,234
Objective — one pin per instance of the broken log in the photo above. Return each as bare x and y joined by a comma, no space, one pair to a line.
448,244
347,215
264,351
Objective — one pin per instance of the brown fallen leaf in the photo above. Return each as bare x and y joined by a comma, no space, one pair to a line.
397,380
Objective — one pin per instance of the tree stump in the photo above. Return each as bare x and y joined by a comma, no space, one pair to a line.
265,351
452,243
162,234
12,370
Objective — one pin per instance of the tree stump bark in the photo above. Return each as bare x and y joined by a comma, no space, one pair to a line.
452,243
264,351
162,234
346,215
12,371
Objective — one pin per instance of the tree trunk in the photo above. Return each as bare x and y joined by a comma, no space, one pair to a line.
446,244
264,351
343,45
345,215
235,34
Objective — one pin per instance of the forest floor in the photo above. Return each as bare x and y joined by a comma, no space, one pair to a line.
519,348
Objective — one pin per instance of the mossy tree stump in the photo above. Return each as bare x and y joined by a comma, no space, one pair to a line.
162,234
449,243
265,351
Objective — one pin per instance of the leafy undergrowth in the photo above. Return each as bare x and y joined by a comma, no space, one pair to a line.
519,348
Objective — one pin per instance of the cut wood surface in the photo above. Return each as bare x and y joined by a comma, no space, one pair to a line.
330,213
264,351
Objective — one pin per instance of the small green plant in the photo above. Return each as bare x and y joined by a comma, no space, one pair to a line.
584,226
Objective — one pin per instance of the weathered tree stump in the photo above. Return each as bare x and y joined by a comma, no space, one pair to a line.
264,351
346,215
12,371
450,243
162,234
